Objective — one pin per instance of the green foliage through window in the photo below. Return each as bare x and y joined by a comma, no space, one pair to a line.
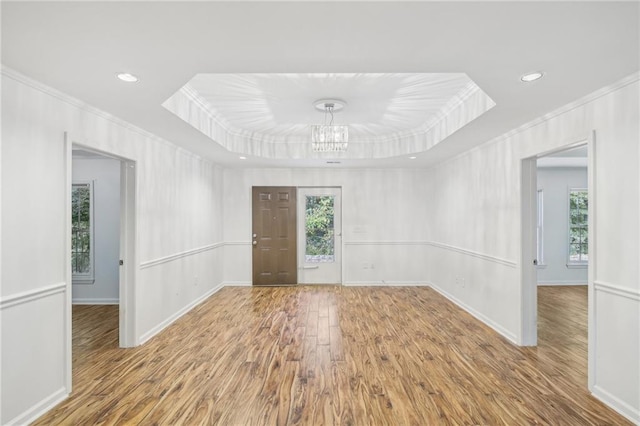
319,228
81,229
578,226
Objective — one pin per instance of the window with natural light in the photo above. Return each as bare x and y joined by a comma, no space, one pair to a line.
578,227
82,233
540,229
319,228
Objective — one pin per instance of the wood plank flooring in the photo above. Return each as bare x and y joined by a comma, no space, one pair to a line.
323,355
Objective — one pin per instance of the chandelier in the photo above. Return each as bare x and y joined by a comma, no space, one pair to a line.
329,137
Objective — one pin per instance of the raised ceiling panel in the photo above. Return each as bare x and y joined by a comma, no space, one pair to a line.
270,115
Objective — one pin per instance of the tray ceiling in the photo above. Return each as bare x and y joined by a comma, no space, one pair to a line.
270,115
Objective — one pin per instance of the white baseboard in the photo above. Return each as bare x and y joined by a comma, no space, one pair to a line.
237,284
385,284
626,410
560,283
95,301
488,321
164,324
40,408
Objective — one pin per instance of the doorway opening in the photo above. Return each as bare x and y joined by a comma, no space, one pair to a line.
101,248
557,239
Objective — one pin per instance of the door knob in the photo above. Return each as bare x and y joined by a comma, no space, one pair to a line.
255,243
255,235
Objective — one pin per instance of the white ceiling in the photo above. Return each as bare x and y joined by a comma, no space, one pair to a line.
270,115
77,47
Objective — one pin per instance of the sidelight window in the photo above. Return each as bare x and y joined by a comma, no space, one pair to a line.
319,229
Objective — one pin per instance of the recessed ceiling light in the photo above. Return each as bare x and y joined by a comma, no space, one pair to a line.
126,77
243,158
412,158
532,76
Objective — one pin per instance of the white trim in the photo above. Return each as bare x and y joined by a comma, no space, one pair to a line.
180,255
385,283
237,284
167,322
561,283
68,274
40,408
617,290
34,84
591,268
386,243
483,256
478,315
488,257
31,295
626,410
96,301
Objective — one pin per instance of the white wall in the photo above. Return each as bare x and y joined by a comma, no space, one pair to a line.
477,199
179,231
382,213
105,175
555,183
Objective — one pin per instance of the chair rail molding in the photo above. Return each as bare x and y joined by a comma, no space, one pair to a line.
179,255
616,290
31,295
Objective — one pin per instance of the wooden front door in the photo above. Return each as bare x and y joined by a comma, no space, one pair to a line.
274,235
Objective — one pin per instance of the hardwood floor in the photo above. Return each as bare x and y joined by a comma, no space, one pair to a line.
333,355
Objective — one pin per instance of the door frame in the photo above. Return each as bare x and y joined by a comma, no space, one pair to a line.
528,277
300,232
128,249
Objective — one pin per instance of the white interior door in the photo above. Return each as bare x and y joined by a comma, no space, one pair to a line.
320,235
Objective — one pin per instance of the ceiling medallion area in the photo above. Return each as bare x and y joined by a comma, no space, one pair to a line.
276,115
